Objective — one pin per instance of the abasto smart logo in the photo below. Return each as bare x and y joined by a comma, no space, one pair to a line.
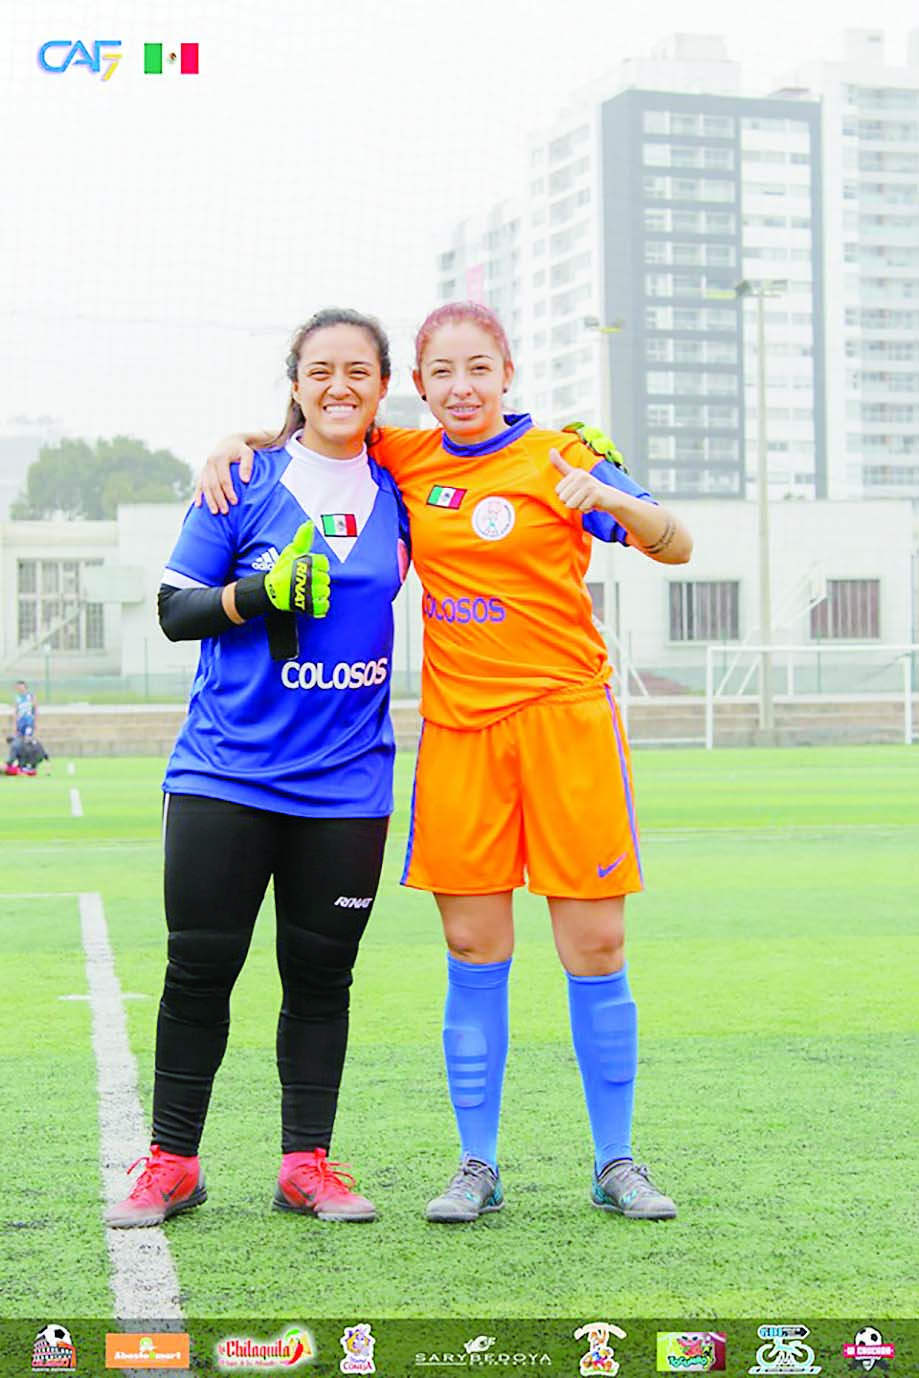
102,56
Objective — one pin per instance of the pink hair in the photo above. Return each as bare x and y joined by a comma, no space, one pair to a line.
453,312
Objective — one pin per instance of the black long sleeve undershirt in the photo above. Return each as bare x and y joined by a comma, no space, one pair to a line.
193,614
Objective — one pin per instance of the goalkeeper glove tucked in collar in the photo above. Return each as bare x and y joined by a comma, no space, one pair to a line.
598,441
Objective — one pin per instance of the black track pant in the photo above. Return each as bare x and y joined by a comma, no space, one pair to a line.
219,859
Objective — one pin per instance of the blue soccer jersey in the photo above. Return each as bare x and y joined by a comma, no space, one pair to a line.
310,736
25,713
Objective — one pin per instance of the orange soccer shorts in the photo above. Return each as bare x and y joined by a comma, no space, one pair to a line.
543,795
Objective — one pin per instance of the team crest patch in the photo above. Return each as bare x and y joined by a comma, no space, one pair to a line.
440,496
339,524
493,518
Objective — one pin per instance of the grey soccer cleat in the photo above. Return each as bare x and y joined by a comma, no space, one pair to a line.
626,1188
474,1190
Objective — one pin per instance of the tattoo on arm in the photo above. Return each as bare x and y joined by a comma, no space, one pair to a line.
663,540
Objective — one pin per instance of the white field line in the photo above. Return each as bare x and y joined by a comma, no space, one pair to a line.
76,803
144,1281
71,768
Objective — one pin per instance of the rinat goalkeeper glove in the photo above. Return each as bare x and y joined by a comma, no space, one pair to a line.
298,581
598,441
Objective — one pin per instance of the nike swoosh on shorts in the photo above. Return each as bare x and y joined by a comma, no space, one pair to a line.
605,870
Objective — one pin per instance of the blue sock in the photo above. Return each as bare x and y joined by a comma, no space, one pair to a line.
475,1049
604,1029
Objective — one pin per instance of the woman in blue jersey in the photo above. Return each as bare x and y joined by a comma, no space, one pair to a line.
283,768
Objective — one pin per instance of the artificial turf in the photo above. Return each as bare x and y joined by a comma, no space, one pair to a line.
773,958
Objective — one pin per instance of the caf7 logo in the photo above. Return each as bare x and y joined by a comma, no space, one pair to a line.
60,53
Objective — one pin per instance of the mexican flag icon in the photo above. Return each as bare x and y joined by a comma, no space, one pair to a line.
339,524
160,57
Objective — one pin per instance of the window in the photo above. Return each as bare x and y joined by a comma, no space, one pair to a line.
704,611
850,611
50,606
719,158
658,350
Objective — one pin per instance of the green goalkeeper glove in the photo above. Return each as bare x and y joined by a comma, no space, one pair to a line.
298,581
598,441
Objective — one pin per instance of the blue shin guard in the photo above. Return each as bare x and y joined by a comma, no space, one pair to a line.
604,1029
475,1050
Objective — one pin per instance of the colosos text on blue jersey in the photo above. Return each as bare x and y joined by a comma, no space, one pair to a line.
357,674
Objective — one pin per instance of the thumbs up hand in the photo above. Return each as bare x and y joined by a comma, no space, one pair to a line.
577,488
298,581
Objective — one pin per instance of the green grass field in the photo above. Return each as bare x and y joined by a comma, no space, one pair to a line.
774,960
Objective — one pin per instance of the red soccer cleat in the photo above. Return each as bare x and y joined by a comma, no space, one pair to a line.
311,1185
167,1185
11,769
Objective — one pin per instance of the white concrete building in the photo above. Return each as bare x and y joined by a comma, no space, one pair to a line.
90,589
871,255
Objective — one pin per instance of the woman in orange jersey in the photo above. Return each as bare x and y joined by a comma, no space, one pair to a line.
523,768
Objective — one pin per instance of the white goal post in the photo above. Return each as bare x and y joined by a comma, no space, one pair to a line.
797,656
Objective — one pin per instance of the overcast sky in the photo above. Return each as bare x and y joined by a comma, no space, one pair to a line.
160,237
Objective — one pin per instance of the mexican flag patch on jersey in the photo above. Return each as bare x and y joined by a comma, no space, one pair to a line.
339,524
446,497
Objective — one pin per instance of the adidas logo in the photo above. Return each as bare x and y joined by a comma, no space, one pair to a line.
267,560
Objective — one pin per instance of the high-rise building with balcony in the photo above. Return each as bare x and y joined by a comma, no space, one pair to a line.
643,207
871,256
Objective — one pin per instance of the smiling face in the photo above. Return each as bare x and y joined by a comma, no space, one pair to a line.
339,388
463,375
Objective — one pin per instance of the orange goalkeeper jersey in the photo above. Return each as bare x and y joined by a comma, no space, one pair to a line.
507,616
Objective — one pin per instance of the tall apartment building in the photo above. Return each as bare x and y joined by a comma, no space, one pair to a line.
871,253
714,190
650,199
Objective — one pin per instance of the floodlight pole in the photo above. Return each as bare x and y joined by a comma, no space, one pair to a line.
766,706
762,290
604,333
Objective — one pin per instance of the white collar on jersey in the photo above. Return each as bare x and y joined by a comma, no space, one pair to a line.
331,489
297,450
